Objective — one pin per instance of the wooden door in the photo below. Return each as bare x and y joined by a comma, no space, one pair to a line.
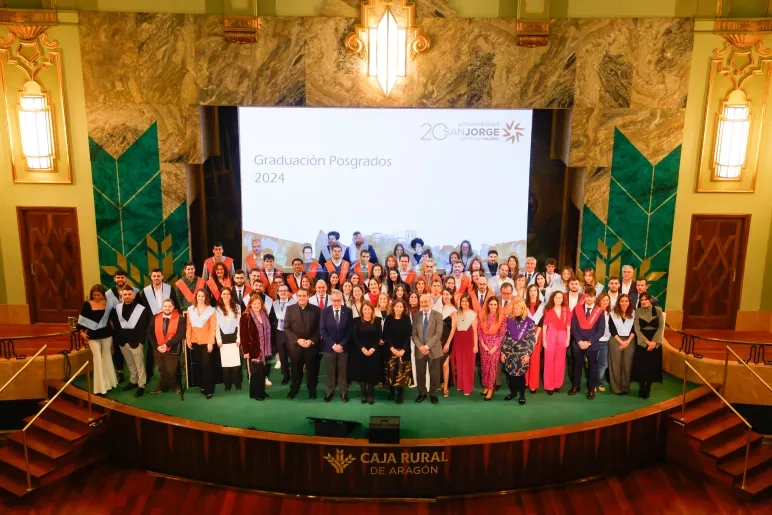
714,270
51,255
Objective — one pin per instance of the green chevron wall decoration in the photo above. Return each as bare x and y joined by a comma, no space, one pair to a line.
132,232
641,211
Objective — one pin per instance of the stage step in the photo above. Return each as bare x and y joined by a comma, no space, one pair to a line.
42,443
706,430
734,445
759,457
14,485
760,484
72,411
59,428
38,465
699,410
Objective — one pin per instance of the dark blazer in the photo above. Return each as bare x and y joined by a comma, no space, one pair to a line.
592,335
333,333
634,299
306,328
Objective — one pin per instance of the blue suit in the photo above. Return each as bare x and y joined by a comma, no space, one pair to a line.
592,335
332,332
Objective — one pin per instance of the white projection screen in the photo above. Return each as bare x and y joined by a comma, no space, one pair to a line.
443,175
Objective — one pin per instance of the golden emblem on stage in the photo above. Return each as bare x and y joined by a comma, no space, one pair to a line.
339,462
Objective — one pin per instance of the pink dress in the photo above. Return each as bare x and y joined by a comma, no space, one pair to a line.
462,353
489,363
555,351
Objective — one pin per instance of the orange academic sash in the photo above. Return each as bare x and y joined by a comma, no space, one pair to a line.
270,287
358,271
213,289
344,265
476,299
431,279
314,269
293,285
170,331
209,264
183,287
252,263
411,277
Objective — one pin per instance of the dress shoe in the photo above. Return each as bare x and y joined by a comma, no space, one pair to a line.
435,400
156,391
100,395
370,401
591,394
208,396
550,392
573,391
120,377
509,397
140,392
312,395
266,395
227,388
556,390
420,398
259,398
328,397
533,392
291,395
129,386
522,400
344,397
364,399
238,388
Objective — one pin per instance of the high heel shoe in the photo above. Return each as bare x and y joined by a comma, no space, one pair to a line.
445,392
489,396
484,392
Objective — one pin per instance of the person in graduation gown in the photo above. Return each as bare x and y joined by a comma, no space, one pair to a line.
449,322
358,246
622,345
325,254
556,337
268,274
130,322
649,328
463,282
396,336
241,290
481,294
491,267
591,282
220,279
541,283
363,267
492,328
604,301
553,278
228,313
310,266
307,284
164,336
153,296
114,297
201,329
255,334
337,263
367,365
217,257
534,311
187,285
293,279
406,272
465,346
95,328
517,349
566,274
301,325
254,260
587,327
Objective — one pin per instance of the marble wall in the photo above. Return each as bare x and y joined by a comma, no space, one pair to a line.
142,69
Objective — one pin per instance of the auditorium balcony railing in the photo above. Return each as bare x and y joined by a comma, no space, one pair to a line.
756,351
8,343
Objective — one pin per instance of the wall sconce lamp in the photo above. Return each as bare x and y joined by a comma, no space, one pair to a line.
732,132
36,127
387,39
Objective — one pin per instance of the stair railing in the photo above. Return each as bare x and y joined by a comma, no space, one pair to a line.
745,364
48,403
44,350
728,405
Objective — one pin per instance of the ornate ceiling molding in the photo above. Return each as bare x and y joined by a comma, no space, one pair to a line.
28,25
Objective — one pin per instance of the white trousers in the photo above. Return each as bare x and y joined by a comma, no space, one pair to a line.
135,359
412,359
104,371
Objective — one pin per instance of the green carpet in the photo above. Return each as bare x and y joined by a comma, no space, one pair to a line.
458,415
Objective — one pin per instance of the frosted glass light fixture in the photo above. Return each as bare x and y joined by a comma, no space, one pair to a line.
387,48
732,132
36,127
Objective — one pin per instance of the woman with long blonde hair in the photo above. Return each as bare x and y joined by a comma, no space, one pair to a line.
517,348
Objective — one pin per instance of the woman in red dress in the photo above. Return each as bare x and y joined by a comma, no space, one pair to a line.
535,312
492,328
464,348
557,335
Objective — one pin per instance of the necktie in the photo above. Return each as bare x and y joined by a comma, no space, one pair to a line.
337,316
166,324
587,312
482,299
426,325
505,303
321,302
238,295
528,278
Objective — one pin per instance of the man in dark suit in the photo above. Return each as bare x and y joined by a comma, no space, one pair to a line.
336,327
427,332
587,327
301,326
641,285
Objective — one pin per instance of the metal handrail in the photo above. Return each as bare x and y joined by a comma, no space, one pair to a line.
745,364
688,346
29,424
728,405
718,340
44,350
30,337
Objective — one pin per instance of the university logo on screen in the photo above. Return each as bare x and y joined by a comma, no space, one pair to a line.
389,463
507,132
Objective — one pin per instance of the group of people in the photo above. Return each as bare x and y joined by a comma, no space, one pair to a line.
404,323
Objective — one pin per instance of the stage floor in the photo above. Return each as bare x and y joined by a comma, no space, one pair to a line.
455,416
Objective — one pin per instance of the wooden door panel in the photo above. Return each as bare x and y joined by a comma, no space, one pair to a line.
51,250
715,265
